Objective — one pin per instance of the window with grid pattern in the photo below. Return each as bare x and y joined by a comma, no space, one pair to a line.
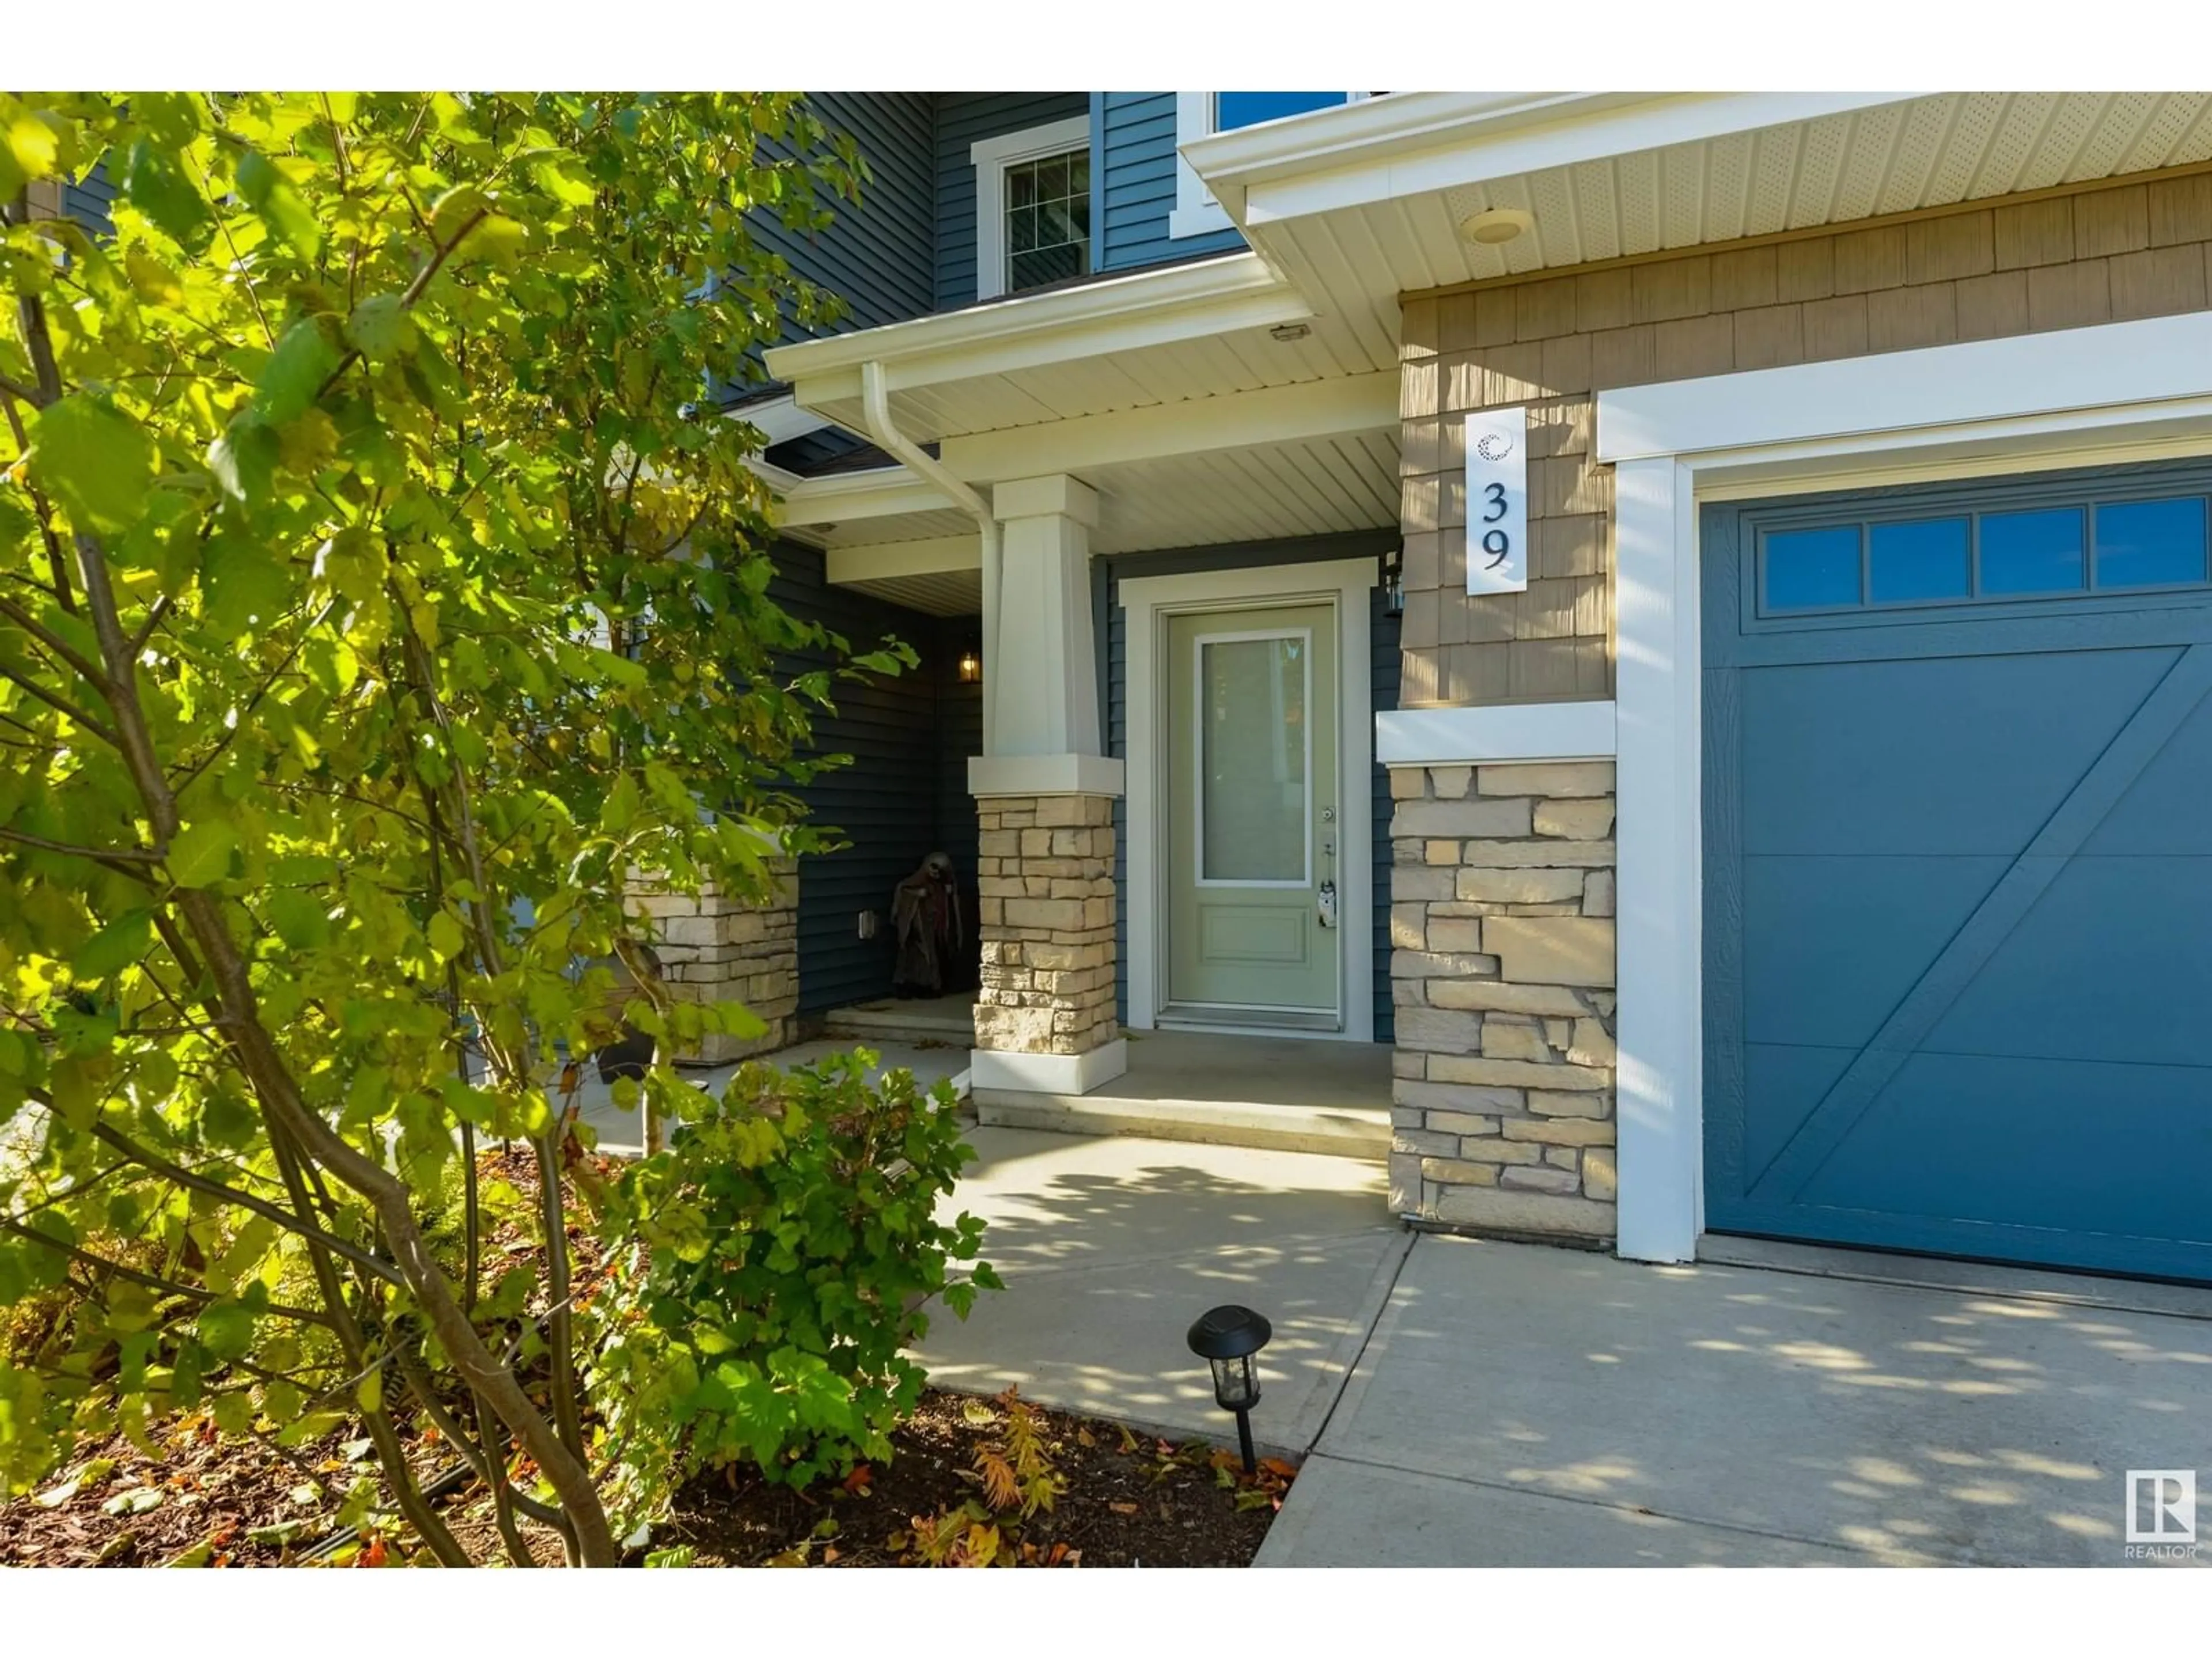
1047,220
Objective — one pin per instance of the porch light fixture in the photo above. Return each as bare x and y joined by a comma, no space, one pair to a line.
1495,227
1227,1338
971,666
1289,333
1394,581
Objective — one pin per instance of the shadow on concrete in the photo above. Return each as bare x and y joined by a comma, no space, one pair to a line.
1110,1247
1771,1414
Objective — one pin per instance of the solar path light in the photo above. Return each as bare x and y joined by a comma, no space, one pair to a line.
1228,1338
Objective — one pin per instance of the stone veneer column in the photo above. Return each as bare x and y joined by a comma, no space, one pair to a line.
1502,971
1045,876
715,948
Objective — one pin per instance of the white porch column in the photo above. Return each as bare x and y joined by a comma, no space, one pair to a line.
1043,689
1660,1022
1045,1017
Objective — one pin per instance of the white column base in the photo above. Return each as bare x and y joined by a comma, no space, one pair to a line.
1047,1074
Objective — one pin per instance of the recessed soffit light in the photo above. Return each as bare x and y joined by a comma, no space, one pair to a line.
1494,226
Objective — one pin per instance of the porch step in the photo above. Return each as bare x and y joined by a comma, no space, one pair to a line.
949,1020
1360,1132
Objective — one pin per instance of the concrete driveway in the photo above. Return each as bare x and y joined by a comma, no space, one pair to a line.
1522,1407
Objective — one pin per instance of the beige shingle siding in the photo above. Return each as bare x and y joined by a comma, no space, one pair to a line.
2109,254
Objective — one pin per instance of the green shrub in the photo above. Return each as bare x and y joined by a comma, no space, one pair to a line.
779,1256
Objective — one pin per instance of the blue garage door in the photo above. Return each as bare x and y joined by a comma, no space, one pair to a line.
1958,877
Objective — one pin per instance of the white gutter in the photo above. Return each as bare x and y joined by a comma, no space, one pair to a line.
876,414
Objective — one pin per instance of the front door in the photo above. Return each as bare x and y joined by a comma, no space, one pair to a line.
1251,817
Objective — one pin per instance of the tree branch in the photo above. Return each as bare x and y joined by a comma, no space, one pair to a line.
166,1286
367,1260
62,705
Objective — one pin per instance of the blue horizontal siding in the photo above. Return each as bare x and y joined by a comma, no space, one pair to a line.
1137,145
1111,623
962,118
90,201
877,252
908,736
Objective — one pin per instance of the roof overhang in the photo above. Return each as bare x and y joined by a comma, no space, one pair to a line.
1360,205
1146,308
1413,141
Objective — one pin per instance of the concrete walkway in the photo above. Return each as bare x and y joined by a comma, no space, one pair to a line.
622,1132
1110,1247
1525,1407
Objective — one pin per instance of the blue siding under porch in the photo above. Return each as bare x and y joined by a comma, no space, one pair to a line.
898,800
1111,622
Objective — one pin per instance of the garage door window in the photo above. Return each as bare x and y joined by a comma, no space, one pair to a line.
1928,559
2032,552
2043,552
2150,543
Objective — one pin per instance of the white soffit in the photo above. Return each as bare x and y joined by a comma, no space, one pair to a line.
1257,492
1269,492
1885,157
947,593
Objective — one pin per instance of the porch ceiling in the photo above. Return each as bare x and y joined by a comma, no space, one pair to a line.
941,593
1356,233
1258,492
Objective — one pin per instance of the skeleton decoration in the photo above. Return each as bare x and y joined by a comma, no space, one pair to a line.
926,919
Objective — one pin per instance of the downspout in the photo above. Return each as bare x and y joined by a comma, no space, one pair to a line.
876,415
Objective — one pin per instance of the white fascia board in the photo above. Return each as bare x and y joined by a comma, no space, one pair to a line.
876,561
2156,360
1495,734
779,420
1117,314
776,477
883,492
1377,152
1234,420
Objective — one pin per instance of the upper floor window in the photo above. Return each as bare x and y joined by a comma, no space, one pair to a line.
1032,207
1233,110
1200,114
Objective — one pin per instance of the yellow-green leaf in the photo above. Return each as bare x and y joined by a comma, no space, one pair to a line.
99,462
446,936
199,856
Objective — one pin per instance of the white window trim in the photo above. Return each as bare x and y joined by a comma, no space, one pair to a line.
1149,601
1195,213
2103,395
991,158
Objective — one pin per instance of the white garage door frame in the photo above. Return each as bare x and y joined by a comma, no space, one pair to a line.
2114,393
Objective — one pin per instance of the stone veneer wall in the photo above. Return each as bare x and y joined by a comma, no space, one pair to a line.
1980,271
1045,874
718,949
1502,918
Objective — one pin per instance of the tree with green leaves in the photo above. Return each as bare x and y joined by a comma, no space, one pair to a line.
377,603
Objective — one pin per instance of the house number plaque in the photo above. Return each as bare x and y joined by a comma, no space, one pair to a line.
1497,502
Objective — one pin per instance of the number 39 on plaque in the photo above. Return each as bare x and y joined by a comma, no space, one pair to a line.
1497,502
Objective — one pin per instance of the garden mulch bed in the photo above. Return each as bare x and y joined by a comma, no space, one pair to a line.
1129,1500
1123,1498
